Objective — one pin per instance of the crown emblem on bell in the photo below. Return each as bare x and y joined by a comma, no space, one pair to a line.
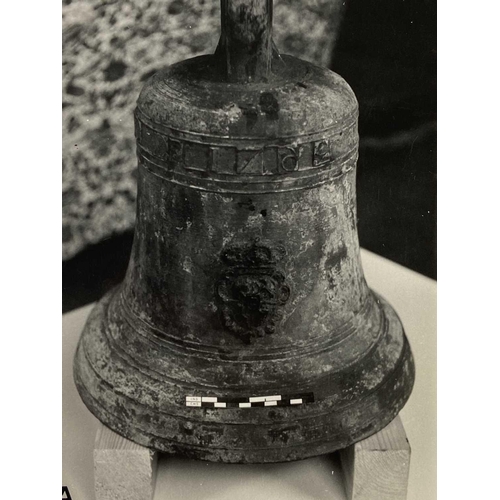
253,288
244,330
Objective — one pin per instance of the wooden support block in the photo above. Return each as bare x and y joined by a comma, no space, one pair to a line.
377,468
122,470
374,469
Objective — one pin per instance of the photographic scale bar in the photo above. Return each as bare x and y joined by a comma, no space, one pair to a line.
250,402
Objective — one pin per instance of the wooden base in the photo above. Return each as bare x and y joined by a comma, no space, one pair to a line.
122,470
378,467
374,469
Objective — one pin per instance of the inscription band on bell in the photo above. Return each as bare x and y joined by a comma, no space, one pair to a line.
181,157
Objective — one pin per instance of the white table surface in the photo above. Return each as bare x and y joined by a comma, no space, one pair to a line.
414,298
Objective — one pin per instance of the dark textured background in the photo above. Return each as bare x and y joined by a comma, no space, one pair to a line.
387,53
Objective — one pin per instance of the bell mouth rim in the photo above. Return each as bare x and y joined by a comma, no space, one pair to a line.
263,455
337,427
257,456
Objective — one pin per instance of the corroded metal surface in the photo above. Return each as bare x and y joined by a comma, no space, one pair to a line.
245,279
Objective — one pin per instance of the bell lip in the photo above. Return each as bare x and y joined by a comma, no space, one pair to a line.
221,455
403,373
241,456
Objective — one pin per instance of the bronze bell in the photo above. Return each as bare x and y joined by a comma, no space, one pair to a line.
244,330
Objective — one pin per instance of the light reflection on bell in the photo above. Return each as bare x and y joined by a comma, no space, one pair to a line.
244,330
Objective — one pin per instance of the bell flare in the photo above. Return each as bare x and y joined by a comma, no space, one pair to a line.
219,406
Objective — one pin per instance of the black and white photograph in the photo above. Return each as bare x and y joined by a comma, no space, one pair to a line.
249,246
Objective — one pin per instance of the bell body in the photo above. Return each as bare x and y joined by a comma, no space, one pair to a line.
244,330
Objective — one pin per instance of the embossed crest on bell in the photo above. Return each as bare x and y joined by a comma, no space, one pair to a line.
244,330
253,289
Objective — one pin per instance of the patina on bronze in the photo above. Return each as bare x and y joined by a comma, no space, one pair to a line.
244,330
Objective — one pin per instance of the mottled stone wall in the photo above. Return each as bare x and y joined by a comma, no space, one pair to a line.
109,49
